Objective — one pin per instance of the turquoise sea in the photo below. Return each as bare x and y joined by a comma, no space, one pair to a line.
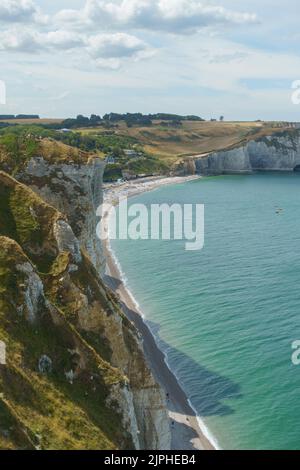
226,316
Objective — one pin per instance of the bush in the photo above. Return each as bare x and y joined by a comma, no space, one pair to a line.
112,173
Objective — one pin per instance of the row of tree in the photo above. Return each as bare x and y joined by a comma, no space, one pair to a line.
131,119
138,118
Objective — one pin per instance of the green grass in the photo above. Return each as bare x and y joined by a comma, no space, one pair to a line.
28,228
54,413
46,410
7,222
63,416
27,220
16,150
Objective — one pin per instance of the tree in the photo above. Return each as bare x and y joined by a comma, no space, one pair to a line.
95,118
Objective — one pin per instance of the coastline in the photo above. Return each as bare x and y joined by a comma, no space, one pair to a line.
188,430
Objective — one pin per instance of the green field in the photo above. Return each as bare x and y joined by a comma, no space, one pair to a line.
160,147
192,138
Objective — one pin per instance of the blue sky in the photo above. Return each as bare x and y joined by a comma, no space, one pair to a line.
211,58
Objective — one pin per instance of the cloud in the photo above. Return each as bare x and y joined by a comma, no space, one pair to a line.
116,45
60,39
33,32
20,11
19,41
109,50
106,50
176,16
27,40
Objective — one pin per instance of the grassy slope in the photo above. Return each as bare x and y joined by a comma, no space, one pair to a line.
193,138
16,151
169,144
58,152
38,410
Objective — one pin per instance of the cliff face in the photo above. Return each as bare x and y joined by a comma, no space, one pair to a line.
63,329
279,152
75,189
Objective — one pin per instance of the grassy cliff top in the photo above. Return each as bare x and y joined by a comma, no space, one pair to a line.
27,219
172,143
46,410
164,144
16,150
54,151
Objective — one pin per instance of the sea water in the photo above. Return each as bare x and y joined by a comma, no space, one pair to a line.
226,316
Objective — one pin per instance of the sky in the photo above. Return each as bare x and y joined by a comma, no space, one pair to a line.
60,58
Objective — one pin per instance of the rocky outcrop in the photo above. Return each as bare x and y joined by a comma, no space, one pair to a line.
147,397
52,283
43,346
66,240
75,189
33,292
279,152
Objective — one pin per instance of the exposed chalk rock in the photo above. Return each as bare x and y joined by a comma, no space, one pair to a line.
76,191
271,153
66,241
70,376
33,292
2,353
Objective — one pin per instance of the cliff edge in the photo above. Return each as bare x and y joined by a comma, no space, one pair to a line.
74,376
277,152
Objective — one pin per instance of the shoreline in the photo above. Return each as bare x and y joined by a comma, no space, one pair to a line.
188,430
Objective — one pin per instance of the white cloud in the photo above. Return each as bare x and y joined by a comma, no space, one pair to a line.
19,11
115,46
109,50
176,16
207,74
114,18
61,39
20,41
27,40
105,50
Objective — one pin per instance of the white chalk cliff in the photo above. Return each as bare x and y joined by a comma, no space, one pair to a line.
72,192
279,152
